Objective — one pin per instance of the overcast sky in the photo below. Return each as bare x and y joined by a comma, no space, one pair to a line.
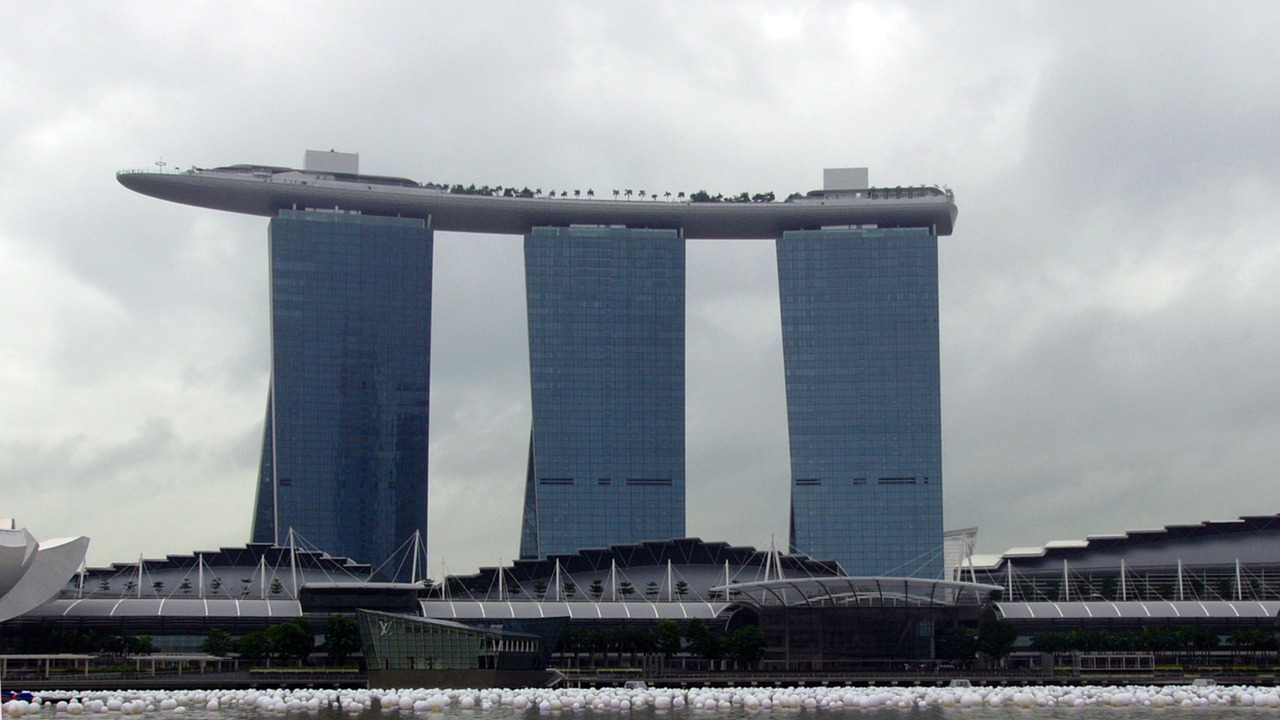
1109,300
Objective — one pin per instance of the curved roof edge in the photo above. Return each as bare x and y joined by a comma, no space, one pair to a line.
247,555
462,610
679,552
1138,610
172,607
860,591
1207,528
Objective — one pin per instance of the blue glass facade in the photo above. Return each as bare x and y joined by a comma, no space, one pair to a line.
860,345
344,458
606,354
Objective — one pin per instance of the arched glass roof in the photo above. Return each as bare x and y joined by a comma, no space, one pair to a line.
463,610
168,607
859,591
1138,610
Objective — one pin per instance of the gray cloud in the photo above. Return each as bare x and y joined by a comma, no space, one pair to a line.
1106,299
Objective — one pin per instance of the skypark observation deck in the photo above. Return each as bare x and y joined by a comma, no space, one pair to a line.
260,190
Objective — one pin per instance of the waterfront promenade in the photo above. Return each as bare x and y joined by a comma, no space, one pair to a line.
265,679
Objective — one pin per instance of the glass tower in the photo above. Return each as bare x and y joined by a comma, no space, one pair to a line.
606,354
860,345
344,452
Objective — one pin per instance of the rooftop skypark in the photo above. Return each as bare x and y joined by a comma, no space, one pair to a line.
265,190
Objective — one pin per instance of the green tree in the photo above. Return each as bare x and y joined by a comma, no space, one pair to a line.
631,639
704,642
293,641
597,588
1052,591
254,648
73,642
1109,588
185,586
666,637
1225,589
157,586
139,645
1261,641
682,588
1238,639
651,590
1199,589
996,637
276,586
746,647
104,585
217,642
1154,639
625,588
114,644
1205,641
593,641
959,644
569,588
341,639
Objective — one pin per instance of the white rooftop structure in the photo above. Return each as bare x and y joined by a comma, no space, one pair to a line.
330,181
32,572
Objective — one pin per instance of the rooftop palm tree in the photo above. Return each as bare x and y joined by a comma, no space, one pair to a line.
627,192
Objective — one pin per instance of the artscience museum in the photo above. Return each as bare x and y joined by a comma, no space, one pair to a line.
33,572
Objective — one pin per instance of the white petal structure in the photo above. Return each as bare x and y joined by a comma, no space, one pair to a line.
31,572
17,552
